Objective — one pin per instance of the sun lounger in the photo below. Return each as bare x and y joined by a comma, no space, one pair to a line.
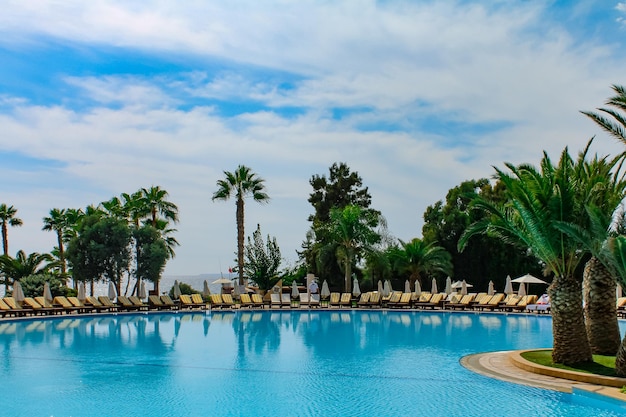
462,303
227,301
275,300
364,300
436,300
335,298
510,302
125,304
375,300
185,301
171,304
246,301
285,300
345,300
65,304
106,302
257,300
82,308
155,303
6,310
314,301
198,301
491,303
48,305
15,307
523,303
30,303
404,301
304,299
137,302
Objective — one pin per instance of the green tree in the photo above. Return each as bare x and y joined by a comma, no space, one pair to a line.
57,222
417,258
340,189
101,250
537,201
154,199
353,231
612,119
241,183
14,269
262,260
152,255
7,217
33,285
485,258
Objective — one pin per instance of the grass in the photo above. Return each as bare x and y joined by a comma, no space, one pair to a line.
601,365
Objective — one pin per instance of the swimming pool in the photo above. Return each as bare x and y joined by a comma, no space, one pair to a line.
271,363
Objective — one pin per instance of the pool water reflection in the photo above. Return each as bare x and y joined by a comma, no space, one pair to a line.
271,363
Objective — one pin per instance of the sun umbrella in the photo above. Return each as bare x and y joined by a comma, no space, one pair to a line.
434,287
142,290
18,292
356,291
221,281
112,291
528,279
522,290
237,290
463,288
176,290
205,290
491,290
81,291
380,286
294,290
47,294
418,288
387,288
448,288
407,286
325,293
618,291
508,287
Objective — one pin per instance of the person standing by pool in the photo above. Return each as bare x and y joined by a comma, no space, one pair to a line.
313,288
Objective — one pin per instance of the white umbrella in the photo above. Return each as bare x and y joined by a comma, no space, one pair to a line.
522,290
448,289
457,285
418,288
618,291
380,286
491,290
206,291
387,288
434,287
142,290
81,291
221,281
112,291
356,291
508,287
18,292
237,290
529,279
47,294
177,292
463,288
294,290
325,293
407,286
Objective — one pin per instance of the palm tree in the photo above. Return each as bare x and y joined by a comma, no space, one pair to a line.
418,257
7,217
612,120
617,247
352,229
22,266
537,201
154,201
57,222
240,184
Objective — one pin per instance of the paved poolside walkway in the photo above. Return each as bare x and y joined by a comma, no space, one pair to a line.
499,365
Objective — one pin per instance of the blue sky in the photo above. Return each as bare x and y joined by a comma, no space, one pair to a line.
103,97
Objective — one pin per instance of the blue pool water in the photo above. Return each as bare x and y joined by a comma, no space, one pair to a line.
272,363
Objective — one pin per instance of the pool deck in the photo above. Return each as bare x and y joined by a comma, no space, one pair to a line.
507,366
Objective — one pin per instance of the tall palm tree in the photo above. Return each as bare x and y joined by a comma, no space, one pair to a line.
7,217
57,222
418,257
601,190
353,230
537,201
611,119
155,201
241,183
617,247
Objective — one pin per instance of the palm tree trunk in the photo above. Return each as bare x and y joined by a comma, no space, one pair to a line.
600,311
5,248
240,232
348,275
62,254
570,343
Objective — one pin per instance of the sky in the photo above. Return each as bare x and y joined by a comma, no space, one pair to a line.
105,97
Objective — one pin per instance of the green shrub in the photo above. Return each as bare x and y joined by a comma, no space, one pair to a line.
184,289
33,285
